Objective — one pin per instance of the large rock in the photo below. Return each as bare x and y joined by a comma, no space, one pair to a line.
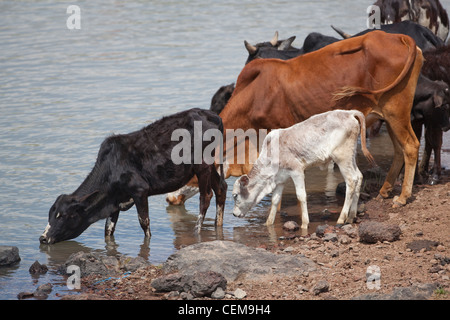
199,284
98,264
235,261
374,231
414,292
9,255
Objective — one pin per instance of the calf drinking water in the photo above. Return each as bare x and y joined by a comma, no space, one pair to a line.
286,153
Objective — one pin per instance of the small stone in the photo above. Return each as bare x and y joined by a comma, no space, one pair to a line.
37,268
334,253
321,286
320,230
291,226
440,248
350,230
239,293
288,249
344,239
9,255
218,293
25,295
330,237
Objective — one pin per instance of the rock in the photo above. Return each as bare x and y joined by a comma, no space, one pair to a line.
37,268
234,260
103,266
132,264
418,245
350,230
344,239
374,231
414,292
25,295
43,291
289,249
88,262
239,293
321,286
9,255
219,293
322,229
205,283
330,237
291,226
199,284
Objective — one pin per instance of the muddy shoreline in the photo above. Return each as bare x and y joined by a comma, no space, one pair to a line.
420,257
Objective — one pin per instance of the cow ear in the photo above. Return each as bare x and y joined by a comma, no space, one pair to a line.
286,43
244,181
87,199
438,100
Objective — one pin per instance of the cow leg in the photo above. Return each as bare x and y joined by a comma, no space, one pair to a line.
300,191
397,164
142,209
276,199
436,138
204,184
406,148
110,224
419,175
353,180
219,187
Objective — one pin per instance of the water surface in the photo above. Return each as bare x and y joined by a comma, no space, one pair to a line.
63,91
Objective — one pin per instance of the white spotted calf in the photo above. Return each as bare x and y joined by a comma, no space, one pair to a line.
286,153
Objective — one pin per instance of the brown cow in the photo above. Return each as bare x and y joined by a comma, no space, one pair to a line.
375,73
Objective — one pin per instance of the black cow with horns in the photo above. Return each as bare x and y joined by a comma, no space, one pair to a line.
131,167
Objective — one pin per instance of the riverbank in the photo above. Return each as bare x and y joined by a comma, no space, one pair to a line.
417,265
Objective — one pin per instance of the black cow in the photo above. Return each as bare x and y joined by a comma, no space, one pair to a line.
278,49
425,39
221,97
436,65
131,167
431,109
428,13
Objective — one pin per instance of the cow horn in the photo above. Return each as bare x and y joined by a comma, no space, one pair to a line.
251,49
274,40
343,34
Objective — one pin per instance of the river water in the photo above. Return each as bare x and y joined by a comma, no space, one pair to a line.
63,91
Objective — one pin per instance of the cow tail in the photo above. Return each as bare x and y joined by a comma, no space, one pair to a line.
362,125
348,91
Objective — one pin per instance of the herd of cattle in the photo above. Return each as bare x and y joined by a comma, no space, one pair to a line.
399,76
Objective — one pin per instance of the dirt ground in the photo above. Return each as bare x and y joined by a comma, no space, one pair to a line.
343,263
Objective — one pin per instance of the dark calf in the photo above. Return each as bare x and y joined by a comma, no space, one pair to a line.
130,168
431,110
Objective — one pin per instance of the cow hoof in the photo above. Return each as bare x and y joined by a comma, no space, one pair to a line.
397,203
434,180
379,198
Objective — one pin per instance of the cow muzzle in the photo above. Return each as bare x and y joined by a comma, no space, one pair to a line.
45,240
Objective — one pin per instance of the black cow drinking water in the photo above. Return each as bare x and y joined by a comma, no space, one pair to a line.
131,167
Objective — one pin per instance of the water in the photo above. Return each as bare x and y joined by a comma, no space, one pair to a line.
63,91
